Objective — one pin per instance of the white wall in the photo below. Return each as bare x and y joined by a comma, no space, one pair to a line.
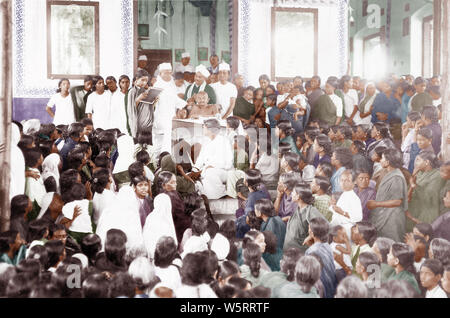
30,50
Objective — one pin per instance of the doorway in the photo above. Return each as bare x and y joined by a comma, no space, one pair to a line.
156,57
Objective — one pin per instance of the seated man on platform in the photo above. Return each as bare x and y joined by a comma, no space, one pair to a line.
214,161
200,109
200,85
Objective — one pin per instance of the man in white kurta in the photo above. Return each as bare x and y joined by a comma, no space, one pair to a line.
118,118
165,110
184,65
215,161
226,92
348,209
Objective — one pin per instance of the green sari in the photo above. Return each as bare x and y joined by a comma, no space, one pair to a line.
243,108
425,198
324,110
183,185
391,222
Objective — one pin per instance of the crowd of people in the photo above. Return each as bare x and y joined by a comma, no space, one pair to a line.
340,187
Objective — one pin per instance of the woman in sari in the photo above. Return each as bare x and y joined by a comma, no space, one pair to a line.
366,105
424,194
388,209
184,183
159,223
167,184
50,168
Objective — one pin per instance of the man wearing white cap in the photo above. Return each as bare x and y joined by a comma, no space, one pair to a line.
225,91
165,110
142,62
185,59
200,85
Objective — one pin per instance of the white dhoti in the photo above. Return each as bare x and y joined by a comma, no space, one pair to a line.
213,183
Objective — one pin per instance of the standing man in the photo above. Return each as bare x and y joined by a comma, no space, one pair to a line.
165,110
142,63
214,61
225,91
184,65
118,118
140,115
200,85
78,94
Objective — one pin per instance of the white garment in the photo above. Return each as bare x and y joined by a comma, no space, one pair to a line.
82,223
46,201
368,120
180,89
165,111
337,101
125,148
221,246
436,292
124,215
169,276
118,118
347,259
149,174
224,94
159,223
308,173
64,114
406,147
101,202
35,189
269,167
100,108
179,67
418,264
196,244
437,102
351,100
50,168
17,172
349,202
299,99
199,291
218,154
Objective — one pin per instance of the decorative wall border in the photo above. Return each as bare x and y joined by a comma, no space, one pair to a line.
19,88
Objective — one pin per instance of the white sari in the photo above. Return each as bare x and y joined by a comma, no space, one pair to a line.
122,214
17,164
159,223
50,168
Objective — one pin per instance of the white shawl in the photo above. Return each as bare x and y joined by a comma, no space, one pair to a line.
17,164
125,147
50,168
159,223
191,88
122,214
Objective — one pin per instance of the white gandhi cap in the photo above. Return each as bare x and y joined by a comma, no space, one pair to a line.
143,58
185,54
202,69
165,67
224,67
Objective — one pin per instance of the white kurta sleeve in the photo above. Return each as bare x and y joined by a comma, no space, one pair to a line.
89,105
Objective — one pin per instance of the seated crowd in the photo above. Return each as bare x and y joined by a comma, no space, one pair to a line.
340,187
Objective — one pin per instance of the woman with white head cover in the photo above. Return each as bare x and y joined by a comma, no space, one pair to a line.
370,93
46,201
159,223
31,126
125,147
50,168
123,216
17,181
221,246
